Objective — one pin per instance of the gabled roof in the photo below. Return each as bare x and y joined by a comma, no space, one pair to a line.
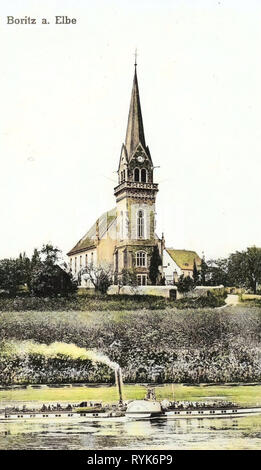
135,130
184,258
101,225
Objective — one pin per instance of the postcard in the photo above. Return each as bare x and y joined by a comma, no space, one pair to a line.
130,255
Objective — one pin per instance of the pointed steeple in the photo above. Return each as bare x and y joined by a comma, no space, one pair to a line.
135,131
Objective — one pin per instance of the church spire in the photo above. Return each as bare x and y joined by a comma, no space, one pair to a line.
135,131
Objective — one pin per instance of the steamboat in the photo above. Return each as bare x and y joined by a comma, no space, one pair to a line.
147,409
150,408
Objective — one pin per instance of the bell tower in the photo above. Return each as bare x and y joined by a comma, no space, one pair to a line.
135,197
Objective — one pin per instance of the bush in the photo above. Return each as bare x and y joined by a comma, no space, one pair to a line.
185,284
160,346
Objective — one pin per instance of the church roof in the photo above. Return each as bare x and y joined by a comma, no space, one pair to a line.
135,130
101,226
184,258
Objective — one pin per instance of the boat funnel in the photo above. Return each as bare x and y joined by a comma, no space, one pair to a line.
119,383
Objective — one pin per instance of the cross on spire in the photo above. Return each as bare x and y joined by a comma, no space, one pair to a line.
136,54
135,131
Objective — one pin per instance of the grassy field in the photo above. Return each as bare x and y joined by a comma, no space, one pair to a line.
245,394
72,394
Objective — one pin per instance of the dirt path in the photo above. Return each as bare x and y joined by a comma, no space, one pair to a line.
232,299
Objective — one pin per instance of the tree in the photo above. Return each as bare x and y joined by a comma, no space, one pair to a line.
48,277
128,277
185,284
244,268
24,263
155,262
101,277
217,272
11,275
163,281
195,272
203,271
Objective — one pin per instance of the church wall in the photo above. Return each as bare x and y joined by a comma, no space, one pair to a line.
148,209
78,261
105,251
127,210
102,254
122,221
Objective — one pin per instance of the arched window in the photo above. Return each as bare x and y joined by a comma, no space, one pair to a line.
143,175
136,174
116,261
125,258
123,174
140,224
86,260
141,258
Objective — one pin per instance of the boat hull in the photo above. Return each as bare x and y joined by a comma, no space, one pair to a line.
133,415
59,416
216,413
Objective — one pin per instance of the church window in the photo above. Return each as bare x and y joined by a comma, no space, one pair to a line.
91,258
136,174
142,279
116,261
80,262
125,258
75,264
122,176
140,224
70,263
86,260
141,258
143,175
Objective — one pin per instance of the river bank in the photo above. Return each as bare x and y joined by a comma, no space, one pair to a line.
247,394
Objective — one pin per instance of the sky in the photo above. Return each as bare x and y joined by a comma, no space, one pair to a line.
65,93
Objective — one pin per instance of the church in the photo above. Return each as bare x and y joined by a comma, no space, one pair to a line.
124,237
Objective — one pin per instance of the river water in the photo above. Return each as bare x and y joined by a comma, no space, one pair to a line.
121,433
